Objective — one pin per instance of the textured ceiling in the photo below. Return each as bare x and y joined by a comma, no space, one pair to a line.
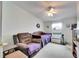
64,9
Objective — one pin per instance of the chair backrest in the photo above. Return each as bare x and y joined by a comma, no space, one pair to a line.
38,33
15,39
24,37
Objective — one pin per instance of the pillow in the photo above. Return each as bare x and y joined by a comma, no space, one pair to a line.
36,40
26,40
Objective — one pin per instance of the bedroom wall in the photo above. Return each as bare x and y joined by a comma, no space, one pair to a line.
66,31
0,20
16,20
49,24
78,19
1,49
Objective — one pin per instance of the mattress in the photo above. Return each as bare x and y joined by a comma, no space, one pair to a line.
52,50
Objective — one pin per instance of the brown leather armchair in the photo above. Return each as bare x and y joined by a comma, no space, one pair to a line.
27,43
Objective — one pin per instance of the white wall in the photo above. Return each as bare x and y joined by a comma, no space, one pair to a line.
1,49
16,20
49,23
0,20
1,52
47,29
78,19
66,31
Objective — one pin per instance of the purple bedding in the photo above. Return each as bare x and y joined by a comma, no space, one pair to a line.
33,47
46,39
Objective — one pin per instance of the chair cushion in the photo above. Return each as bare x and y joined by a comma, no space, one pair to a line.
36,40
33,47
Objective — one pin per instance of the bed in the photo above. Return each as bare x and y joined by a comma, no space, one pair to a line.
52,50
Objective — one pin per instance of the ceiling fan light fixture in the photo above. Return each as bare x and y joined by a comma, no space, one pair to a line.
51,12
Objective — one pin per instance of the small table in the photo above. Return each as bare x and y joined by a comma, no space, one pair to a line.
8,49
16,54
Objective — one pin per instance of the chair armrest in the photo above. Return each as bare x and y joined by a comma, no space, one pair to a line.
24,50
22,45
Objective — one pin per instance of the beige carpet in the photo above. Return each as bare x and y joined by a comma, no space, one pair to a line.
54,51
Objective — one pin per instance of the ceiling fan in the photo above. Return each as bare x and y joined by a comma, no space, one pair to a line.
51,11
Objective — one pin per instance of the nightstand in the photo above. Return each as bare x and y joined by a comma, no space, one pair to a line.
8,49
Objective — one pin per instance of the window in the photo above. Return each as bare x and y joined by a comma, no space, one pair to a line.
57,26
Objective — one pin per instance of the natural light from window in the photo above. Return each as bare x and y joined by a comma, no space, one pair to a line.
57,26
